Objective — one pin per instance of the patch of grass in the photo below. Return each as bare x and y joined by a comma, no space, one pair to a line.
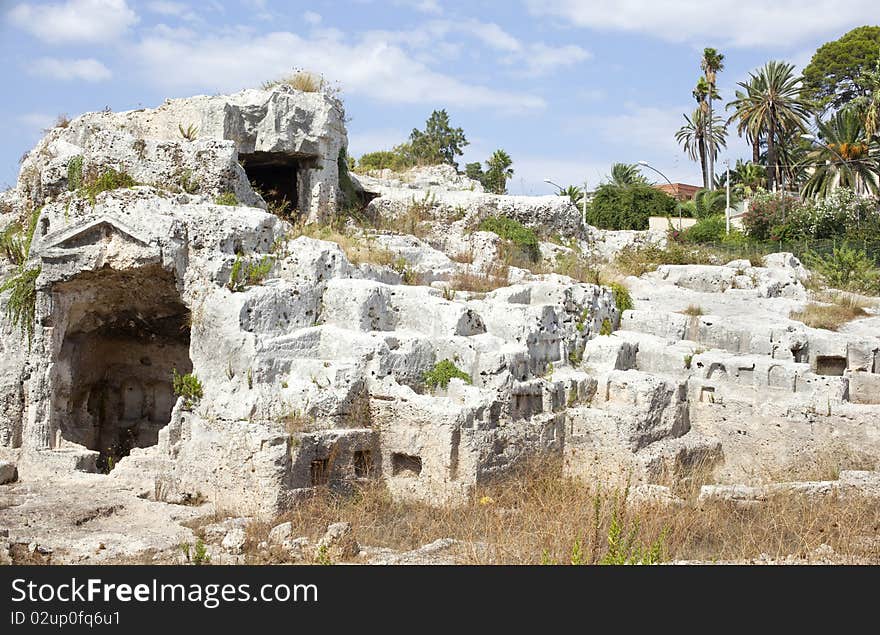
61,121
357,249
579,268
607,328
227,198
536,514
22,302
829,316
442,373
622,298
693,310
518,234
15,241
304,81
492,277
401,266
106,181
248,273
187,386
637,260
75,173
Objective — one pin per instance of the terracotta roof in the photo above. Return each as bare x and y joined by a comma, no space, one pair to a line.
680,191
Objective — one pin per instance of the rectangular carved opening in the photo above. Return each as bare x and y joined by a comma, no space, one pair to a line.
830,365
363,464
274,175
405,465
320,472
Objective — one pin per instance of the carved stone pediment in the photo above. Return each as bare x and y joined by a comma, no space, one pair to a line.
92,232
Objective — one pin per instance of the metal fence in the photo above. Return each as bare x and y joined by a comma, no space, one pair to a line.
799,248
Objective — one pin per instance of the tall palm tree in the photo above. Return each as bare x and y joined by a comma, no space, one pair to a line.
712,63
703,93
842,158
695,136
770,106
625,174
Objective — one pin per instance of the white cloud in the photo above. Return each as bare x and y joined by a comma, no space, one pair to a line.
312,18
734,23
541,59
422,6
74,20
89,70
174,9
371,66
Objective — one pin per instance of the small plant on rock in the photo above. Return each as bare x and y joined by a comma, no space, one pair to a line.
443,372
190,132
247,274
521,236
622,298
75,173
187,386
107,180
227,198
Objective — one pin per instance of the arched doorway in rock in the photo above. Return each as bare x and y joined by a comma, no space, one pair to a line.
124,334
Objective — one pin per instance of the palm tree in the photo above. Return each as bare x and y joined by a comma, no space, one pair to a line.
703,94
695,137
842,158
498,171
770,107
573,192
712,63
625,174
747,177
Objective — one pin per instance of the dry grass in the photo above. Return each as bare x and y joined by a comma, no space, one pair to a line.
538,516
301,80
489,279
693,310
831,312
358,250
465,257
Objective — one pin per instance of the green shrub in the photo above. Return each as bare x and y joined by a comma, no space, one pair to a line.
443,372
767,212
607,328
75,173
246,273
707,230
521,236
628,207
190,132
22,302
624,547
381,160
227,198
187,386
108,180
847,269
15,241
622,298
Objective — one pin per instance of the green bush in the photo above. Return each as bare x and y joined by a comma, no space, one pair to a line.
22,302
15,240
521,236
227,198
381,160
628,207
108,180
767,213
846,269
187,386
246,273
75,173
443,372
707,230
622,298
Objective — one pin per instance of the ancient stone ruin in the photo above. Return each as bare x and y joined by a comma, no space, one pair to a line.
299,365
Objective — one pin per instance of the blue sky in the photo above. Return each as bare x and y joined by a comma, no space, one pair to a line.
567,87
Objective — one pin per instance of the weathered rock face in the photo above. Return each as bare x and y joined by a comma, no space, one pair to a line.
286,143
298,367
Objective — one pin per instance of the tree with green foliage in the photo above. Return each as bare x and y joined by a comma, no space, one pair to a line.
628,206
835,75
711,63
439,142
474,171
624,174
770,106
499,168
695,138
843,158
